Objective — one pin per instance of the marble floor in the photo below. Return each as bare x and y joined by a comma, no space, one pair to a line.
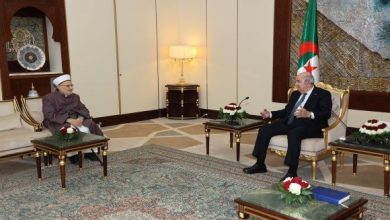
188,135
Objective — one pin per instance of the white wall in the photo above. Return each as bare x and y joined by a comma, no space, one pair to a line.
255,37
221,52
182,22
357,118
168,34
234,40
137,47
92,53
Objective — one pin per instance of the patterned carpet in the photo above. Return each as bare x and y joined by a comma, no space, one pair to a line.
188,135
149,182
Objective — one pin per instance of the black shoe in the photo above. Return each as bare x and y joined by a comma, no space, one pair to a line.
288,175
90,156
74,159
256,168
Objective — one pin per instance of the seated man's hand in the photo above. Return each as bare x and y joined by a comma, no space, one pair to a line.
265,114
302,113
75,122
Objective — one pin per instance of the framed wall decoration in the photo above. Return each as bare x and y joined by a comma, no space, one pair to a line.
30,33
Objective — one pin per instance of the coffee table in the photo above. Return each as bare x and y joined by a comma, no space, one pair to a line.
234,128
351,145
57,146
266,203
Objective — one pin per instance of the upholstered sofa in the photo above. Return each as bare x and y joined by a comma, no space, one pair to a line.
16,131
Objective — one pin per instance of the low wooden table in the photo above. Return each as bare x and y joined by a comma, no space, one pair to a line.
266,203
236,129
354,147
56,146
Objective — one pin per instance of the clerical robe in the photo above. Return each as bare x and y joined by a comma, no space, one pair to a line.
57,109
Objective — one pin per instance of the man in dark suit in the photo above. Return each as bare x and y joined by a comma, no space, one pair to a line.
304,116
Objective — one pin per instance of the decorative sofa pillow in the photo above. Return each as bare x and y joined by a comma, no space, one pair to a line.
8,122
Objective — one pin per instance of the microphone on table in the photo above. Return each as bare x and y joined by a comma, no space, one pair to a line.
246,98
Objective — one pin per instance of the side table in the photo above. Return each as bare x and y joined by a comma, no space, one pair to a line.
234,129
352,146
60,147
182,101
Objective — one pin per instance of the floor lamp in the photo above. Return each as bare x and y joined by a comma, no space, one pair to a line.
182,53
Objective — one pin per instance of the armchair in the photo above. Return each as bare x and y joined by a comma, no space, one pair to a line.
315,149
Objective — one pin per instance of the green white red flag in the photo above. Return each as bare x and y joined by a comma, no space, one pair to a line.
308,51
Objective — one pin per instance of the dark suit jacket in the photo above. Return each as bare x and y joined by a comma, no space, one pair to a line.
319,102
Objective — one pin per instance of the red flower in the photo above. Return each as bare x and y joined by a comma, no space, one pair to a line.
286,185
63,130
373,121
304,184
230,108
381,126
296,180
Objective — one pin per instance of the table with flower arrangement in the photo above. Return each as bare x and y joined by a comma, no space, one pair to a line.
351,145
373,139
267,203
237,128
59,146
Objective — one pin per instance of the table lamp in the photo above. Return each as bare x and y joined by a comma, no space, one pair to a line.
182,53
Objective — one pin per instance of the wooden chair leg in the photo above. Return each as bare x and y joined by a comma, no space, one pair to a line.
314,169
45,159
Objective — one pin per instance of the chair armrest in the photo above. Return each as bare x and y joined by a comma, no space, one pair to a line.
27,120
332,133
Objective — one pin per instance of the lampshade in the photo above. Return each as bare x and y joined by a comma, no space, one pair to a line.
182,52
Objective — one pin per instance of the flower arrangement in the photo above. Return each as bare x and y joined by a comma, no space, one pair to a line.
373,131
231,112
68,132
294,190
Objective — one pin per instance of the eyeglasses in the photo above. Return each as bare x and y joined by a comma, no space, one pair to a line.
68,86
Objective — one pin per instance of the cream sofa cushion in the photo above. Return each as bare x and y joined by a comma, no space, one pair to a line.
18,140
310,146
9,122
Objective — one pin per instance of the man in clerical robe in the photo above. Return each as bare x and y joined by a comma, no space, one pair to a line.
63,107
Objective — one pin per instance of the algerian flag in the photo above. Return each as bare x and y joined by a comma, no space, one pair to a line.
308,51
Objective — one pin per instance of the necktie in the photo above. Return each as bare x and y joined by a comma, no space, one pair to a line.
291,116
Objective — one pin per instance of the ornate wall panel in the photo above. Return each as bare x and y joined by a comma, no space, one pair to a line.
344,61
